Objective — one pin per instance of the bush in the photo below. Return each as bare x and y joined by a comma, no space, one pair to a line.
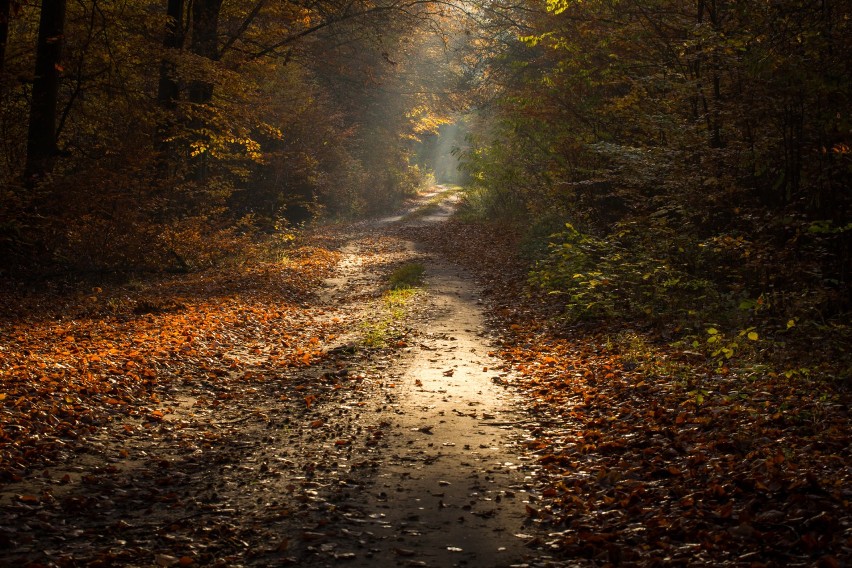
628,274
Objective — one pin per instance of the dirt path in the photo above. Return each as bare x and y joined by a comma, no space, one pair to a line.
453,485
402,455
449,488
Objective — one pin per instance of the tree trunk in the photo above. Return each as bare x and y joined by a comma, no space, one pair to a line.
41,138
5,14
168,89
205,20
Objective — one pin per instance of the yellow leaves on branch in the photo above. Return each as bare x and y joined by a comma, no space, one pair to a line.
424,121
227,146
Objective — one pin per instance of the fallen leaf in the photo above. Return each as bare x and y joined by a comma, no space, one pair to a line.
166,560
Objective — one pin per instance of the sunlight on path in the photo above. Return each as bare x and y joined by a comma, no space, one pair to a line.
452,493
443,208
449,486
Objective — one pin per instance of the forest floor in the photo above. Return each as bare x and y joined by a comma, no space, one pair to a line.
306,412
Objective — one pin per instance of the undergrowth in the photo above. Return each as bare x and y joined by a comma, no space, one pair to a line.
685,289
722,295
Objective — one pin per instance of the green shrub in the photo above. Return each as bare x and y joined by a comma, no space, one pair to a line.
626,275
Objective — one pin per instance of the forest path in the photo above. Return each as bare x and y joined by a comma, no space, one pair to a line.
448,487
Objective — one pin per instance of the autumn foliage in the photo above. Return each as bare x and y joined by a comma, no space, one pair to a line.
678,166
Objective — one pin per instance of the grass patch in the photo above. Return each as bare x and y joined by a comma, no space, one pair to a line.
406,276
375,334
387,328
